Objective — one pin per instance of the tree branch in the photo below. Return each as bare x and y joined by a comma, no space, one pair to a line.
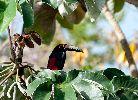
121,37
134,2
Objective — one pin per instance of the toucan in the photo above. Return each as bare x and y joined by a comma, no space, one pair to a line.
58,56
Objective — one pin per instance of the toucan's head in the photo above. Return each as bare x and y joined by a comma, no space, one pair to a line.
58,56
66,47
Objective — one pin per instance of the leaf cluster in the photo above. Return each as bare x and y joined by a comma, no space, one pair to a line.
41,15
110,84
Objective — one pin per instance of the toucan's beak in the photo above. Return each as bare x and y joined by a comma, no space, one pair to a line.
73,48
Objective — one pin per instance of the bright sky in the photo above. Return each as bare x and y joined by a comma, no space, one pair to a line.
129,24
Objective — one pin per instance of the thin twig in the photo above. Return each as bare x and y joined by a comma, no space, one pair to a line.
4,75
10,74
134,2
121,37
14,93
52,92
6,78
10,40
11,45
9,90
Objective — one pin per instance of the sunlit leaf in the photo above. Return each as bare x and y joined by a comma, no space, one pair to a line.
89,90
99,78
94,8
69,92
53,3
9,14
77,15
34,85
66,8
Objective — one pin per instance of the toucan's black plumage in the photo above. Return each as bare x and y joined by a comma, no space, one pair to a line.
58,56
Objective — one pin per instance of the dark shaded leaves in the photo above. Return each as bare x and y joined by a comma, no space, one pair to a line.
111,72
35,36
118,5
44,23
28,14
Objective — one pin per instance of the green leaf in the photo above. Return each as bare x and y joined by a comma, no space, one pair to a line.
130,96
58,94
9,14
118,5
66,8
99,78
31,88
71,75
53,3
64,22
3,7
60,78
88,89
111,72
69,92
94,8
45,22
43,92
77,15
49,74
113,97
28,14
125,82
41,77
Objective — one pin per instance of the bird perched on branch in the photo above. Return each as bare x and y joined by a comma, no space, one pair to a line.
58,56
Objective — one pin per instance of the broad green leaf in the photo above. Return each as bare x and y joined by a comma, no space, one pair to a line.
125,82
64,22
28,15
43,92
77,15
69,92
71,75
89,90
111,72
9,14
49,74
34,85
3,6
66,8
130,96
99,78
112,97
44,22
58,94
60,78
56,3
118,5
94,8
21,1
53,3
